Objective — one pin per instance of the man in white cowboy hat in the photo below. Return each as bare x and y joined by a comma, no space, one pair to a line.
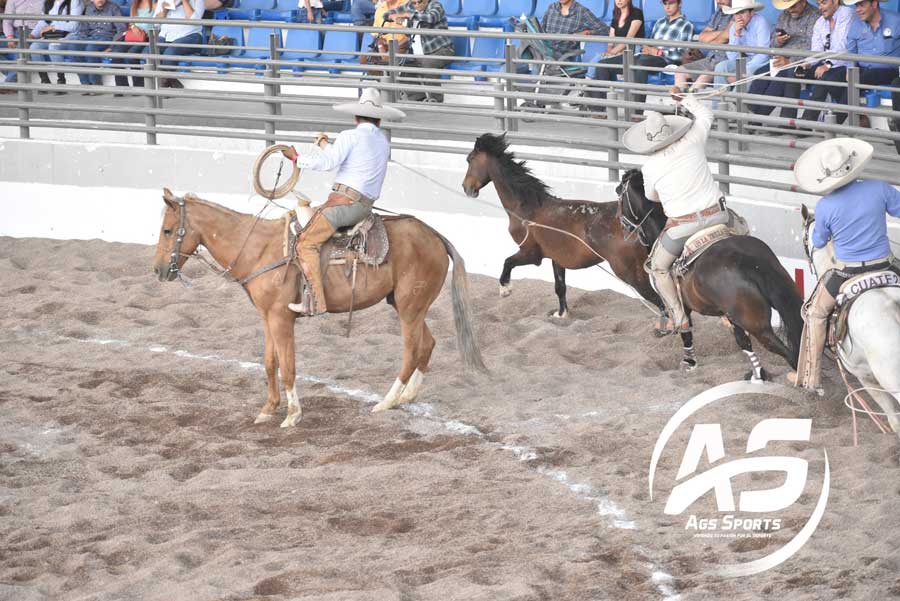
360,156
677,175
851,213
748,28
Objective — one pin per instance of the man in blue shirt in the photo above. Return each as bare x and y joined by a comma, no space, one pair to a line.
748,28
851,214
875,32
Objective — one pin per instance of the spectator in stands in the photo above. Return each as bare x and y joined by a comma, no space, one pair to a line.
829,35
748,28
362,12
99,33
567,17
177,35
48,34
627,22
673,27
430,51
315,10
874,32
12,26
715,32
136,34
793,29
387,14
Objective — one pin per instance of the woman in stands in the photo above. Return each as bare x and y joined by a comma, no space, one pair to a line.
136,34
627,22
50,31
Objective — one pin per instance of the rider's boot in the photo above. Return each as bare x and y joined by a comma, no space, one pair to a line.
310,242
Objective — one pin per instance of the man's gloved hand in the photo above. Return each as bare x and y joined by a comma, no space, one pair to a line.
321,140
290,154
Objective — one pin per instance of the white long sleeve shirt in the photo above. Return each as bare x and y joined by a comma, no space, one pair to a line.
360,155
170,33
678,176
76,7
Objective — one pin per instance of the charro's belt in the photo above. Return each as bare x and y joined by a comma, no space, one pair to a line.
882,260
354,195
707,212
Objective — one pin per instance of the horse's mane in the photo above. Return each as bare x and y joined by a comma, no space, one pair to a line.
532,191
635,177
213,205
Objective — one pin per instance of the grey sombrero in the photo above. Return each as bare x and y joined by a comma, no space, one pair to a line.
369,105
655,132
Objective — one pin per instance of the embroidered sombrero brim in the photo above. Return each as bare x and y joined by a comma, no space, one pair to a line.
370,110
635,137
808,168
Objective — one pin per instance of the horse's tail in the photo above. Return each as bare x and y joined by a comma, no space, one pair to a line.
462,311
781,292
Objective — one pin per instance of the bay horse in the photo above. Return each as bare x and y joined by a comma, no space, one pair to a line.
738,277
253,251
528,201
871,348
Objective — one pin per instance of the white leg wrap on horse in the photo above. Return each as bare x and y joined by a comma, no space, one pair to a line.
756,366
294,411
411,391
392,398
505,290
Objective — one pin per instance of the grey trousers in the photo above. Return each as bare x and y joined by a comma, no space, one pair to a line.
437,60
346,215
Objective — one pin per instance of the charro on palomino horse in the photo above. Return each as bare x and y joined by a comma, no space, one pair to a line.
848,248
718,269
402,259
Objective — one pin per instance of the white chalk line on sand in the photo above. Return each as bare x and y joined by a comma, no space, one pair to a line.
615,515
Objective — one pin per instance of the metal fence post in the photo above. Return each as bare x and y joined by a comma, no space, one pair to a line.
627,77
271,90
153,101
392,75
725,144
830,119
853,94
23,77
740,68
512,124
612,173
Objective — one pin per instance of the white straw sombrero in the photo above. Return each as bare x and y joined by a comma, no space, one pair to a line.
831,164
369,105
655,132
741,5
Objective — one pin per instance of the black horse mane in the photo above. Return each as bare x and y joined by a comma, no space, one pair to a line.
636,178
532,191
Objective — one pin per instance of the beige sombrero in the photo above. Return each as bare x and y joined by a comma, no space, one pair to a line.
832,163
741,5
655,132
369,105
784,4
852,2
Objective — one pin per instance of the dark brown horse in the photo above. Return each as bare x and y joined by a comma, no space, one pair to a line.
532,210
738,277
410,279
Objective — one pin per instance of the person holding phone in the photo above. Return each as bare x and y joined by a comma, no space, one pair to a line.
176,37
793,29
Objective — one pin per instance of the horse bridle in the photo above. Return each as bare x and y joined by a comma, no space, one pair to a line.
631,224
179,239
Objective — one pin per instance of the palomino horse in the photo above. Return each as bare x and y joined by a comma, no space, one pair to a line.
531,208
738,277
871,348
252,249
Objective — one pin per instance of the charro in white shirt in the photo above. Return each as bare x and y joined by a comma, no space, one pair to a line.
678,176
360,155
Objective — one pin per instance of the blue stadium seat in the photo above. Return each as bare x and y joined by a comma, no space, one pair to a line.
598,7
301,45
285,10
461,49
222,63
874,97
343,44
452,7
540,8
515,8
479,8
592,53
259,37
249,10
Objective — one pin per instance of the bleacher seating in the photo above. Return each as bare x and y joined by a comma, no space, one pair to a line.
302,45
249,10
478,8
285,10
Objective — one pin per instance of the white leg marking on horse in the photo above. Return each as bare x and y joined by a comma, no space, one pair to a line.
505,290
558,315
392,398
263,418
294,411
413,387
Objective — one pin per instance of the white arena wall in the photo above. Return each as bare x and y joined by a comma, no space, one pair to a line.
82,184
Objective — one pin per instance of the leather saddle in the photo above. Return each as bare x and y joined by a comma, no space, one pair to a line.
365,242
849,293
703,240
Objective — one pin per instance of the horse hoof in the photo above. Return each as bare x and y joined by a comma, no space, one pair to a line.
382,406
263,418
763,377
505,290
558,315
292,419
688,365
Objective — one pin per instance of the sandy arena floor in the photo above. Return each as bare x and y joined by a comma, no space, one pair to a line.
130,467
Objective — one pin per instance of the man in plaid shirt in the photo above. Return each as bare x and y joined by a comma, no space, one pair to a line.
674,27
436,50
570,17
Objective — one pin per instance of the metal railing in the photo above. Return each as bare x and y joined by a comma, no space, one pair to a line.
277,95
